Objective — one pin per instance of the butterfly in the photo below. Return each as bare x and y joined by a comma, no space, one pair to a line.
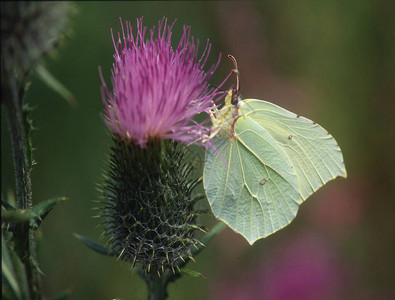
264,162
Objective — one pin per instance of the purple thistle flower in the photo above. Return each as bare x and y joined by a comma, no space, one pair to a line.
158,90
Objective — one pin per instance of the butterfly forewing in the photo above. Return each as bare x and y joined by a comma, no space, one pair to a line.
311,150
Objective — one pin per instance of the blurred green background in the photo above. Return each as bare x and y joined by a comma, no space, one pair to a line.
331,61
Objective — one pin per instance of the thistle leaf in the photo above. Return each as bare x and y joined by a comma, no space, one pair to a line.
6,205
13,273
192,273
99,248
42,209
34,215
16,216
7,269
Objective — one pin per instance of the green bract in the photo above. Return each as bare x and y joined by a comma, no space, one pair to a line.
265,163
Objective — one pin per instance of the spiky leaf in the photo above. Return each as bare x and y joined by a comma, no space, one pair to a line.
33,216
99,248
13,274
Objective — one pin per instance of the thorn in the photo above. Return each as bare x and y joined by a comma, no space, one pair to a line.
120,255
134,261
202,230
40,271
191,258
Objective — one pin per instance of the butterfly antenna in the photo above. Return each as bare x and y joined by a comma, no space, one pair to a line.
235,92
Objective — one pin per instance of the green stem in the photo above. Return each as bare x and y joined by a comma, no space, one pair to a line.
19,136
25,239
157,287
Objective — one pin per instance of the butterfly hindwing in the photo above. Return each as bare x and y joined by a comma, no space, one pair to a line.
249,181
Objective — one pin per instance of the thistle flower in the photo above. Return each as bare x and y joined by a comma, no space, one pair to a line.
149,215
158,90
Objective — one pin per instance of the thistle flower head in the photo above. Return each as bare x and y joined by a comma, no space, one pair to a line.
149,212
28,31
158,89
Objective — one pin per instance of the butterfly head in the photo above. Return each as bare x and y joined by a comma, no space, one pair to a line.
223,120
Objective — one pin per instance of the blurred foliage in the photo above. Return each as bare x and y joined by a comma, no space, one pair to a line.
331,61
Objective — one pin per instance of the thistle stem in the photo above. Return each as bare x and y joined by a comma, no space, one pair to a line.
25,240
157,287
19,139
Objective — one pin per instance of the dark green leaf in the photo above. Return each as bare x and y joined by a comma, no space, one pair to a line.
13,274
6,205
95,246
20,273
205,240
16,216
192,273
34,215
7,270
41,210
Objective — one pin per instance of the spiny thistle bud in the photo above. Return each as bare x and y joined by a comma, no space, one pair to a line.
149,215
28,31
